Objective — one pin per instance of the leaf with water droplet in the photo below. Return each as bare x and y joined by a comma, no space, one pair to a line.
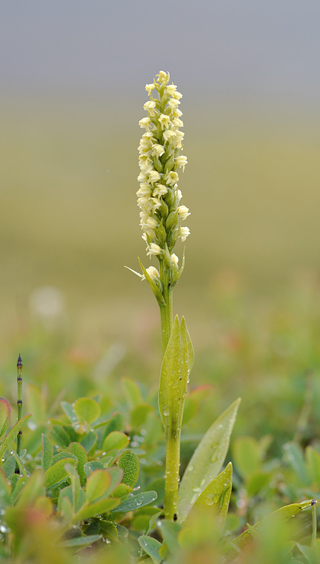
151,547
175,370
217,494
206,460
136,501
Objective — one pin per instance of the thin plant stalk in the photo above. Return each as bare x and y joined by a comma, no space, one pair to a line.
19,402
314,522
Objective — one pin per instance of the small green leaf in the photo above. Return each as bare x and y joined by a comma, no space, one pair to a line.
175,371
92,466
47,452
9,466
246,453
57,472
77,494
115,439
139,414
63,455
206,460
69,411
80,452
80,542
313,464
132,392
5,489
153,285
32,490
5,414
96,508
97,484
60,436
10,437
136,501
86,409
151,547
89,442
294,456
217,494
115,479
129,463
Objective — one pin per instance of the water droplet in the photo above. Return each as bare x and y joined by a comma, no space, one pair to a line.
210,499
139,503
196,489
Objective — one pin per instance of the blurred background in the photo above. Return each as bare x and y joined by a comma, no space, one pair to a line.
72,93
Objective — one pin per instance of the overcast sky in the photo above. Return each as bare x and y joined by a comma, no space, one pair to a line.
265,50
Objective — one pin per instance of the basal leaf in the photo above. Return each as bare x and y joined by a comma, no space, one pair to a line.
206,461
217,494
285,513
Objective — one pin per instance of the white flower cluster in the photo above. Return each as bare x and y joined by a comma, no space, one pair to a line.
159,160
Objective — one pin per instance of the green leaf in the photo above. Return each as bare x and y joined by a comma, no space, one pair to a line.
92,466
97,484
47,452
5,489
285,513
132,392
115,479
9,466
80,542
151,547
217,494
10,437
5,414
33,489
246,453
294,456
69,411
129,463
115,439
57,472
97,508
206,461
63,455
313,464
136,501
60,436
175,371
86,409
139,414
80,452
89,442
78,495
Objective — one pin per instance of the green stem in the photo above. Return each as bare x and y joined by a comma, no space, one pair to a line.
314,522
172,434
166,310
19,402
172,473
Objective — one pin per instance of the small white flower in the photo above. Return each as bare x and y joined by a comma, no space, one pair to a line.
171,89
150,87
183,212
174,259
173,103
171,178
153,273
164,120
163,76
145,122
184,233
154,249
154,176
150,106
157,150
152,223
181,160
144,190
160,190
169,134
